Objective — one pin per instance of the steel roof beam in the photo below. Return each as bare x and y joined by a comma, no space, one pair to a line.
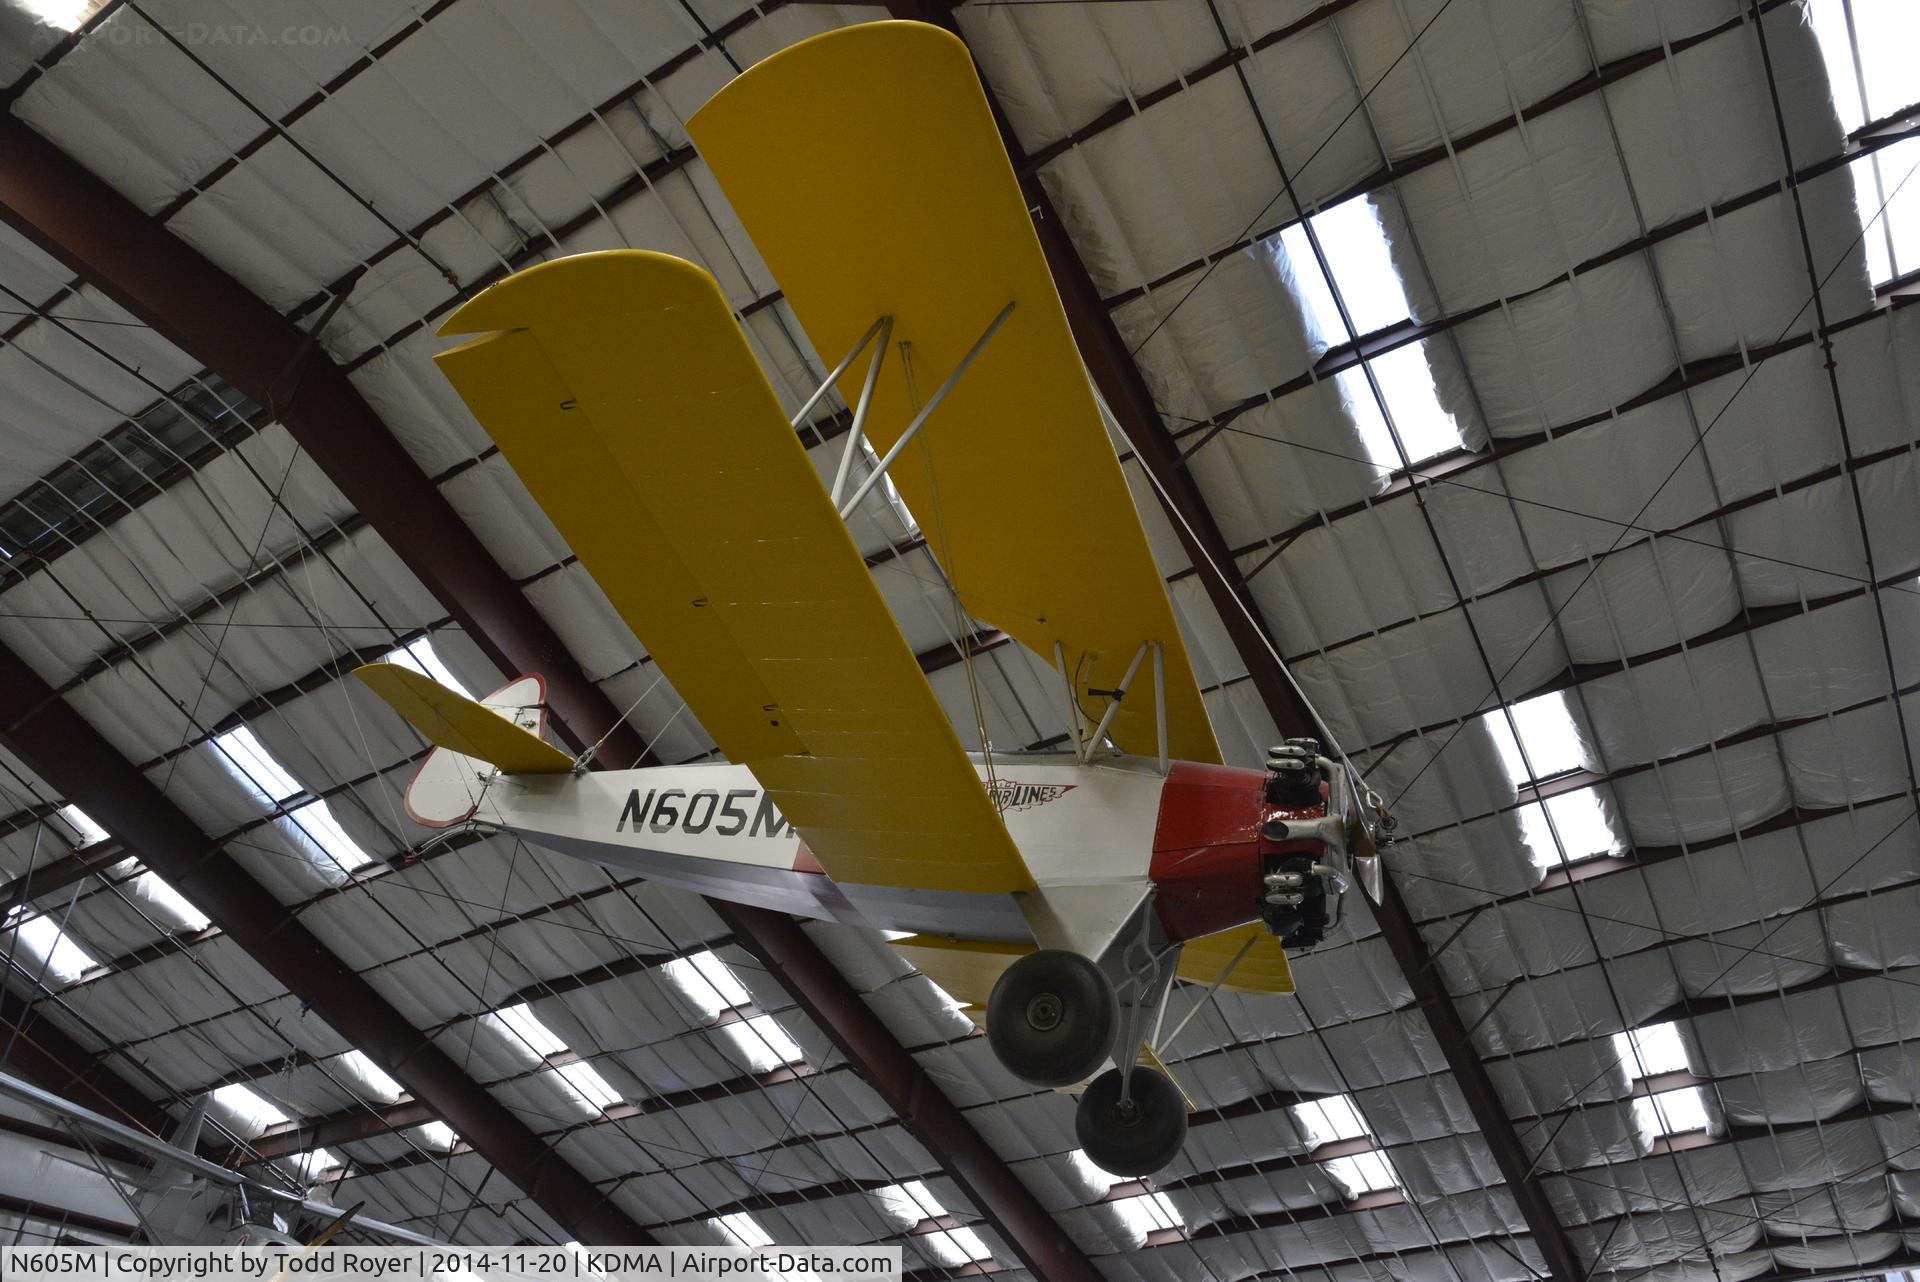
59,873
136,261
1121,383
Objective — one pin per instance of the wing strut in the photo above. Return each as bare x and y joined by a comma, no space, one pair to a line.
884,323
858,432
926,411
1160,1045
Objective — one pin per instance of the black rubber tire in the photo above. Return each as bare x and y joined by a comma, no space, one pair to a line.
1138,1141
1051,1019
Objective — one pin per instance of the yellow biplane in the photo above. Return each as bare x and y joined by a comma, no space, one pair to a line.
1059,894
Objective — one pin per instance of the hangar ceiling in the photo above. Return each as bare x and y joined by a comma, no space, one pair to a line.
1530,376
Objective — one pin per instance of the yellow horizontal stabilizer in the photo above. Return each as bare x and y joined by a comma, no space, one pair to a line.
451,720
866,166
1262,970
966,968
622,391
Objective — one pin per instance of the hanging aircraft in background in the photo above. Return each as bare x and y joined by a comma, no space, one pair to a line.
1059,894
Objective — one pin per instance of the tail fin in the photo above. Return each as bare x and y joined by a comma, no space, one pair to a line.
502,730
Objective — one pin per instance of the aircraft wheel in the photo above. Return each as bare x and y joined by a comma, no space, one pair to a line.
1136,1138
1051,1018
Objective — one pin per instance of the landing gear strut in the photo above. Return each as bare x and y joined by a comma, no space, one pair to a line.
1135,1136
1052,1017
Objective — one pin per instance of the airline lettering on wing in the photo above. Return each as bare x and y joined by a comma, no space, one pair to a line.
727,814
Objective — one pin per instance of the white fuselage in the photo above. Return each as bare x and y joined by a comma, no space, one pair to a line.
713,830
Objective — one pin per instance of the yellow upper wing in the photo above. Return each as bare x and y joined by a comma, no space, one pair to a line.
623,393
866,165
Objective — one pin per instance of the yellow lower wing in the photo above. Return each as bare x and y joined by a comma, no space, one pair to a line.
866,165
451,720
1262,968
623,393
969,968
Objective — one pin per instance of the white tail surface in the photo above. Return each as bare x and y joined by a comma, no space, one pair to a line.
447,788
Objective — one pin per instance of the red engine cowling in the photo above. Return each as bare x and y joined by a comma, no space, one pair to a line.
1209,857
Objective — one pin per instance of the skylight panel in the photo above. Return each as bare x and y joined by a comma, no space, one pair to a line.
1836,50
1140,1216
1356,248
742,1229
53,950
1091,1173
1891,81
1406,384
1375,437
1329,1119
520,1023
67,15
588,1086
316,822
707,982
421,657
1578,820
1887,32
762,1044
1363,1172
254,766
1356,252
251,1112
1900,186
178,911
437,1136
313,1164
1368,284
953,1248
1149,1213
914,1202
1672,1112
1309,284
87,832
1651,1051
377,1081
1546,728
